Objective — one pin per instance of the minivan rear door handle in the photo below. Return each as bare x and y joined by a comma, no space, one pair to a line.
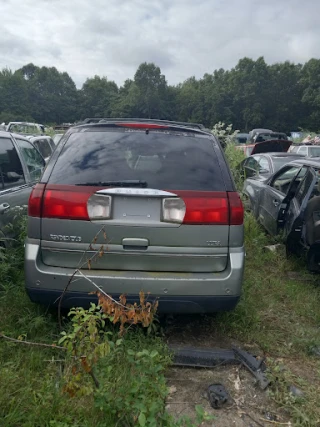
135,244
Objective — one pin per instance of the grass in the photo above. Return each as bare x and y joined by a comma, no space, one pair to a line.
32,377
279,314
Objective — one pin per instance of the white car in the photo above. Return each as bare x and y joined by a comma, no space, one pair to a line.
25,128
306,150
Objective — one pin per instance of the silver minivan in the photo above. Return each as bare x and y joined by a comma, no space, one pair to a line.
158,197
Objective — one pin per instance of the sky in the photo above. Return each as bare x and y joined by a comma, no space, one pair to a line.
183,37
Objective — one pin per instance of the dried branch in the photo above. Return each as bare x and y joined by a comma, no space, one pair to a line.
102,291
38,344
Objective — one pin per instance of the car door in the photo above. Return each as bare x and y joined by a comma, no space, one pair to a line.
14,186
290,217
273,195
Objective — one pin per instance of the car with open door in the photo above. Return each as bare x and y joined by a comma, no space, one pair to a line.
158,197
288,202
263,165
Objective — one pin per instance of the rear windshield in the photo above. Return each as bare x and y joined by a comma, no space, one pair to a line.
278,162
162,160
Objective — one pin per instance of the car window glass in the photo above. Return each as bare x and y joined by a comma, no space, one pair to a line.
304,187
283,180
303,150
11,172
314,151
34,161
252,163
164,160
43,146
52,144
23,128
264,164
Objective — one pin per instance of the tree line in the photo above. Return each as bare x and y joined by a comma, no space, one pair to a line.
282,96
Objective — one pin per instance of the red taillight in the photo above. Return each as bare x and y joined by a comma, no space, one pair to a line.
67,202
35,200
205,207
64,204
236,209
142,125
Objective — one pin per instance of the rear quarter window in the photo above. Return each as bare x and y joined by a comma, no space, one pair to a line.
163,160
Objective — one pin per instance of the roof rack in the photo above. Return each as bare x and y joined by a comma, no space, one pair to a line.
128,120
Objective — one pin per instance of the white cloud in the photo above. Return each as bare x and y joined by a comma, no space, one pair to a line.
183,37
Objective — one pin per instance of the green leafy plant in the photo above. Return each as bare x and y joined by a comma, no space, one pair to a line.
227,137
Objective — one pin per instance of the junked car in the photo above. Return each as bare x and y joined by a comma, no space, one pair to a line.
288,202
25,128
21,166
268,136
306,150
254,132
265,164
269,146
163,194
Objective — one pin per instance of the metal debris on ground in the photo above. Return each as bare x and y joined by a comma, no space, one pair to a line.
203,358
218,396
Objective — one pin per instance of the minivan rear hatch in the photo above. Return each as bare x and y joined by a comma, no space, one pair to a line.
149,200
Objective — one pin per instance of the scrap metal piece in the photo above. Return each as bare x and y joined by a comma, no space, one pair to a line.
255,366
201,358
218,396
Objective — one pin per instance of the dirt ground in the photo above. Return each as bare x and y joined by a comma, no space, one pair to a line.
248,407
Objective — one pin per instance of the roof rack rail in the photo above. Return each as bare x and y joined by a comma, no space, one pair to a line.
128,120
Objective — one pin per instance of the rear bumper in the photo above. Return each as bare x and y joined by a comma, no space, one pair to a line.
177,292
175,304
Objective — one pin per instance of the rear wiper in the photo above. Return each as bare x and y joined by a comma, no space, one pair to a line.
126,183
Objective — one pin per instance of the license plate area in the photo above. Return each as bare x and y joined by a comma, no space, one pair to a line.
136,210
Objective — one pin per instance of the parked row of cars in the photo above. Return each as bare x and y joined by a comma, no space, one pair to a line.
259,140
283,193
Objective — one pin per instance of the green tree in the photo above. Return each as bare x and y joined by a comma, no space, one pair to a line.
13,96
97,97
52,95
310,84
150,91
